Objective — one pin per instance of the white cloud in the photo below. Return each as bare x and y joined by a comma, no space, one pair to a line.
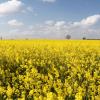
91,20
58,29
49,22
9,7
15,23
60,23
49,1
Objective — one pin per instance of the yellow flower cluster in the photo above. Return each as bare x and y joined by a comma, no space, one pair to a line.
49,70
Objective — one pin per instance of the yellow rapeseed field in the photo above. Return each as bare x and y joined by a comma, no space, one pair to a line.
50,70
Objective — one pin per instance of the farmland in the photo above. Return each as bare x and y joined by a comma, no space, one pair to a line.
49,70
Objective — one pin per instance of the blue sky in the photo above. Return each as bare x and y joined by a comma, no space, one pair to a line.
49,18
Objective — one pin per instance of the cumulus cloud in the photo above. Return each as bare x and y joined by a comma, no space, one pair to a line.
91,20
15,23
60,23
9,7
49,22
59,29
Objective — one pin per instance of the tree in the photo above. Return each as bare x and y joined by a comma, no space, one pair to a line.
68,36
84,38
1,38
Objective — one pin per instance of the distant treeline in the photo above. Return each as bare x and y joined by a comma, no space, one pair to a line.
92,39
